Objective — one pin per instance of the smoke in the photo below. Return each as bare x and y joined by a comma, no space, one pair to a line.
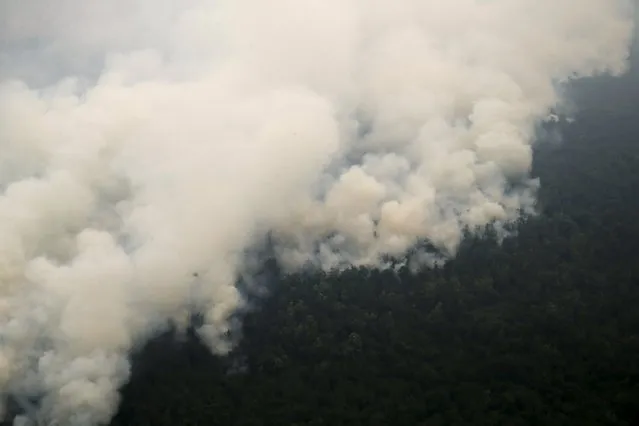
145,141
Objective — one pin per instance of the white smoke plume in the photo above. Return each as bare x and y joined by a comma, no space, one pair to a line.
143,141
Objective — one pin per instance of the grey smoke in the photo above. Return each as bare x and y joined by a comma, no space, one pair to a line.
142,141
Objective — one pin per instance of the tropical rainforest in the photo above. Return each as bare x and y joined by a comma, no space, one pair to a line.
541,328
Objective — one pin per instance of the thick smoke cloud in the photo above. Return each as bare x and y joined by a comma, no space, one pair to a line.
143,141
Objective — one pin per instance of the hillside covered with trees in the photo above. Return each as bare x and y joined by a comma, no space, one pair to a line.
540,330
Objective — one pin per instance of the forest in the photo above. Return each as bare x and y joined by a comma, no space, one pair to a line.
539,329
542,329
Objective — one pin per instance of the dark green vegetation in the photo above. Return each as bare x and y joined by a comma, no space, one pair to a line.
542,330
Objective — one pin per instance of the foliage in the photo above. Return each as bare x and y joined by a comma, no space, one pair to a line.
541,330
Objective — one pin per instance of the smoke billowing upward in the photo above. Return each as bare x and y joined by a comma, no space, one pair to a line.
142,141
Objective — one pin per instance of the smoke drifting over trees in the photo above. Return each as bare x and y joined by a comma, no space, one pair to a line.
142,141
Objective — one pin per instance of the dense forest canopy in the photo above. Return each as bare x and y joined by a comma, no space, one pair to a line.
542,329
139,166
